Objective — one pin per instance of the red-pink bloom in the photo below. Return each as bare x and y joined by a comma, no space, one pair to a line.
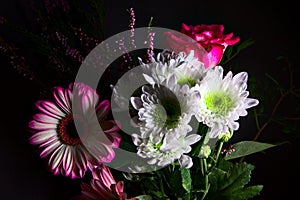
208,42
103,186
56,134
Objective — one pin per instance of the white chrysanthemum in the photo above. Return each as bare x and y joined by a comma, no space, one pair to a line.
172,147
164,114
187,68
223,100
165,108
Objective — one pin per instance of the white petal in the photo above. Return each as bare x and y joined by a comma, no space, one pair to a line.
249,102
185,161
192,139
136,102
149,79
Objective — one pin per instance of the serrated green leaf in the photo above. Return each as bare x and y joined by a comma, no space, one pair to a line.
245,193
230,184
245,148
186,179
238,176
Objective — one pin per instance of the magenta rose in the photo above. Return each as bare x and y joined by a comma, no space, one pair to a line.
208,42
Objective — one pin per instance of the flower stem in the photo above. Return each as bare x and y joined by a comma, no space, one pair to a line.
219,151
207,184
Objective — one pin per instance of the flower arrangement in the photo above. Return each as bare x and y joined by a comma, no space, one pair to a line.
166,131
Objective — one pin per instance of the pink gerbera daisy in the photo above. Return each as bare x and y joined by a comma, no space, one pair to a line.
103,186
70,150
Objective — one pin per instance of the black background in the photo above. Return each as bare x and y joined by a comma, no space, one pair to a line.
274,28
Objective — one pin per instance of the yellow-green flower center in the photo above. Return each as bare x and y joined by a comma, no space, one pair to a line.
218,102
187,80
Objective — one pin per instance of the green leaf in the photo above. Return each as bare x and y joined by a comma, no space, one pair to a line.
186,179
245,148
245,44
246,193
144,197
176,183
231,183
228,51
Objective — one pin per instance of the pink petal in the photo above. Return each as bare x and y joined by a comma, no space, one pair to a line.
61,99
103,109
45,118
42,137
50,109
56,158
48,150
41,126
213,58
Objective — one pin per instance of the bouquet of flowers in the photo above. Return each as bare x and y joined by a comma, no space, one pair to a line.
149,115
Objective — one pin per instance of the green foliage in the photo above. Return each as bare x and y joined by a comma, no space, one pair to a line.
229,181
186,179
245,148
232,51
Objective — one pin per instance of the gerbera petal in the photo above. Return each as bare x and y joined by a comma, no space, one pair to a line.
41,126
80,158
103,109
40,117
50,108
49,149
67,159
61,99
56,157
43,136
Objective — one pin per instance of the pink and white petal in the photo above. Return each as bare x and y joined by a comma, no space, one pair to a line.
119,187
43,118
66,160
49,149
103,109
61,99
42,137
56,158
104,175
110,126
49,142
115,138
50,108
103,153
41,126
80,157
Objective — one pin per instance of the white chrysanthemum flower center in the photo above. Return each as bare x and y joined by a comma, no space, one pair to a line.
189,80
218,102
223,100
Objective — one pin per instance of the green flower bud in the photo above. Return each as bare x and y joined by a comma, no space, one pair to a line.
205,151
225,137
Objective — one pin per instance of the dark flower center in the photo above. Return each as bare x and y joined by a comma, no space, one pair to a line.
173,111
68,132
